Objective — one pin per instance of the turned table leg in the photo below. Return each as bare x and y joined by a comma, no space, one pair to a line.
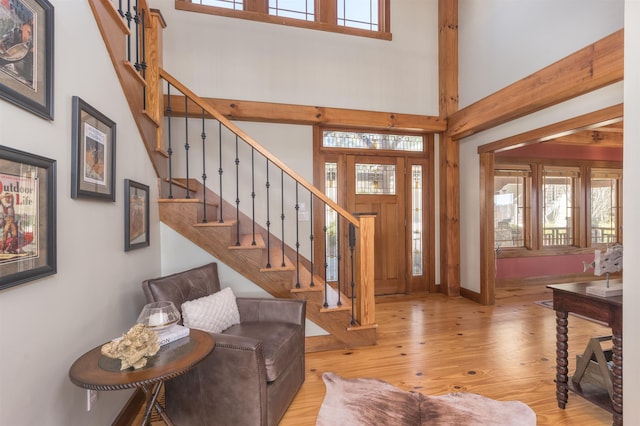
617,377
562,358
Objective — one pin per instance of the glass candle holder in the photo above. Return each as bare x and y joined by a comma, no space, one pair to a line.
159,315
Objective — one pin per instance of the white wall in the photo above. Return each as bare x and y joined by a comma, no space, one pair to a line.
95,295
502,41
239,59
631,206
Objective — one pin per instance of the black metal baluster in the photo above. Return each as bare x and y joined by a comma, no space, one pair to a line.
204,171
339,257
143,57
136,42
282,211
120,11
268,221
186,140
128,17
311,284
143,63
237,195
352,245
326,264
220,171
169,149
253,198
297,238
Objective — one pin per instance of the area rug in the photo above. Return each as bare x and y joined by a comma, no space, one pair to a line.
367,402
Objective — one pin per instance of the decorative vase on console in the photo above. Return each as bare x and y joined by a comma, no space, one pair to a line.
606,263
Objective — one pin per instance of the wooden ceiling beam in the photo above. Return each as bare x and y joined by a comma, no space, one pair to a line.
591,138
591,121
311,115
595,66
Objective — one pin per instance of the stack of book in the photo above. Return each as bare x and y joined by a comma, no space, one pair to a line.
172,333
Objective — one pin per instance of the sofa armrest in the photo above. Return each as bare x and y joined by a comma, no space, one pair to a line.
234,371
282,310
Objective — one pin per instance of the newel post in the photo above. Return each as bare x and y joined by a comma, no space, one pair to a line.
155,100
365,270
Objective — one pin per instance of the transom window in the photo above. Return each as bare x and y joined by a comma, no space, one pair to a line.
374,141
369,18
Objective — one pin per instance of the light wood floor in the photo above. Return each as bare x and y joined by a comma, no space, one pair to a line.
438,344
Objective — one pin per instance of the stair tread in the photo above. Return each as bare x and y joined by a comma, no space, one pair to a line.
215,223
246,242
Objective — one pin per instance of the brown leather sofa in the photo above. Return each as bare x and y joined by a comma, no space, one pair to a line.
256,367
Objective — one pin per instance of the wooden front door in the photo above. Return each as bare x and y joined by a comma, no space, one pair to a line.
376,184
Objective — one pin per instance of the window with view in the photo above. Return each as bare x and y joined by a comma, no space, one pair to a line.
369,18
540,206
509,202
558,192
297,9
605,193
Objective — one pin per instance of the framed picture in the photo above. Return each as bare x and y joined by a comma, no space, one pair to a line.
136,215
93,168
26,55
27,217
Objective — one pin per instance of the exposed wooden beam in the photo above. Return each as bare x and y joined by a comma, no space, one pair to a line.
591,138
592,120
311,115
449,150
595,66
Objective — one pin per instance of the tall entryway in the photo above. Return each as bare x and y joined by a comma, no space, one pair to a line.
391,176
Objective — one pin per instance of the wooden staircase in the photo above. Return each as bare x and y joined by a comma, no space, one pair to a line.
185,216
220,238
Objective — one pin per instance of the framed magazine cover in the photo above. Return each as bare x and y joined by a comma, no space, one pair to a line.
27,217
93,151
26,55
136,215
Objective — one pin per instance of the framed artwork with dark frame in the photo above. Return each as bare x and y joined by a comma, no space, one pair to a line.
26,55
136,215
93,167
27,217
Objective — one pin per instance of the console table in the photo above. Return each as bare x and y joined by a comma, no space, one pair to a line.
572,297
97,372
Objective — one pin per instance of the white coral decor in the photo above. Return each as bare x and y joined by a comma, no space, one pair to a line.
133,348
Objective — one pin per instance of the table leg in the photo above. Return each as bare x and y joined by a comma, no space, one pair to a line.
562,358
617,377
152,402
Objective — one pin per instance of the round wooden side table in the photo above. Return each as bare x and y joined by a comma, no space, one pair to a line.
97,372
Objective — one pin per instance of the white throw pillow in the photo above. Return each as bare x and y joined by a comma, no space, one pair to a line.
214,313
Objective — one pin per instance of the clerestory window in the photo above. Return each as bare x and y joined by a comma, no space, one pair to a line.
368,18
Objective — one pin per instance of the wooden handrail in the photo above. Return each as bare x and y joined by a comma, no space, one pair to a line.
255,145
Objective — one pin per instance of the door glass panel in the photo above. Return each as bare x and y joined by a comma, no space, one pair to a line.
375,179
360,140
331,221
416,220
